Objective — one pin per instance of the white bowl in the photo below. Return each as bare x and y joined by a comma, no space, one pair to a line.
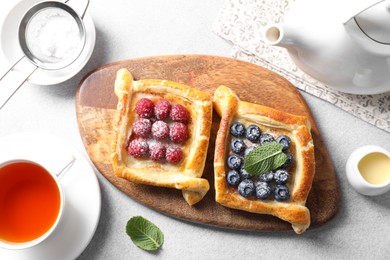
356,179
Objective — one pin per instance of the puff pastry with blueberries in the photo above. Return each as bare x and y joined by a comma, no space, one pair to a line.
248,129
162,134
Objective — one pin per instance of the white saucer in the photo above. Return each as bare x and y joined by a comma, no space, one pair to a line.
10,15
82,199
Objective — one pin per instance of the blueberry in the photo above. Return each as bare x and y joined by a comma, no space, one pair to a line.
266,138
237,146
281,176
244,174
246,188
281,192
237,130
253,133
249,149
263,190
234,162
288,162
266,177
233,178
285,141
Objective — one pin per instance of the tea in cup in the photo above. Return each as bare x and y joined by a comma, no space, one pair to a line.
31,203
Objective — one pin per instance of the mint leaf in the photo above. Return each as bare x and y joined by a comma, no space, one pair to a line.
265,158
144,233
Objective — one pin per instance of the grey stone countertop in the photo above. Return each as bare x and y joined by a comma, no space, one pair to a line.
139,28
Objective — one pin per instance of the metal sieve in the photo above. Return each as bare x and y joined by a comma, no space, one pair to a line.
30,54
26,48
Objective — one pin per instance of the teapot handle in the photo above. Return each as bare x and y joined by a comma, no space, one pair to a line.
354,8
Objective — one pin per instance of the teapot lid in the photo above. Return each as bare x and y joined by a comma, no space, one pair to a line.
374,22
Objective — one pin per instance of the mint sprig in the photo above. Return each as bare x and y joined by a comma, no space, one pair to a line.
264,158
144,233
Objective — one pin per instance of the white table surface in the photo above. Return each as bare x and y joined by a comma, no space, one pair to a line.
138,28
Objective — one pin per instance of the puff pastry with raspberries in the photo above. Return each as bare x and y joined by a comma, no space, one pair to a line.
162,134
246,129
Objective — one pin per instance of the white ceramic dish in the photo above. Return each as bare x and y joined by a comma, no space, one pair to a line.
83,199
356,179
11,14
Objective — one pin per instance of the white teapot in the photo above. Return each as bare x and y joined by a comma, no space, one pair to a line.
344,44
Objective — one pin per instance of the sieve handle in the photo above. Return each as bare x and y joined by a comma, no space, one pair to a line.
84,11
8,91
5,74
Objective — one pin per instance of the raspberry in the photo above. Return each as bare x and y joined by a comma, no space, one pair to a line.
157,151
142,127
179,114
174,154
138,148
144,108
178,133
160,130
162,109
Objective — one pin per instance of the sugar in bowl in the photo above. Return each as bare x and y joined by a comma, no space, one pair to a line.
368,170
51,35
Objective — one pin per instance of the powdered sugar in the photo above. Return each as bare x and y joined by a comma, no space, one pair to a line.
53,35
162,109
179,114
157,151
178,132
138,148
142,127
151,132
174,154
160,130
144,108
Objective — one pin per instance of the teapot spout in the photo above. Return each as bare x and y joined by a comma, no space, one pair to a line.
276,35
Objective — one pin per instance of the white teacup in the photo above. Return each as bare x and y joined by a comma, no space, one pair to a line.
31,199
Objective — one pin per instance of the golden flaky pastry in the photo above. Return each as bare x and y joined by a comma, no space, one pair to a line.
186,175
274,122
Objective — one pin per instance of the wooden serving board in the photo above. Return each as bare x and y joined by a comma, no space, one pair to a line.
96,103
